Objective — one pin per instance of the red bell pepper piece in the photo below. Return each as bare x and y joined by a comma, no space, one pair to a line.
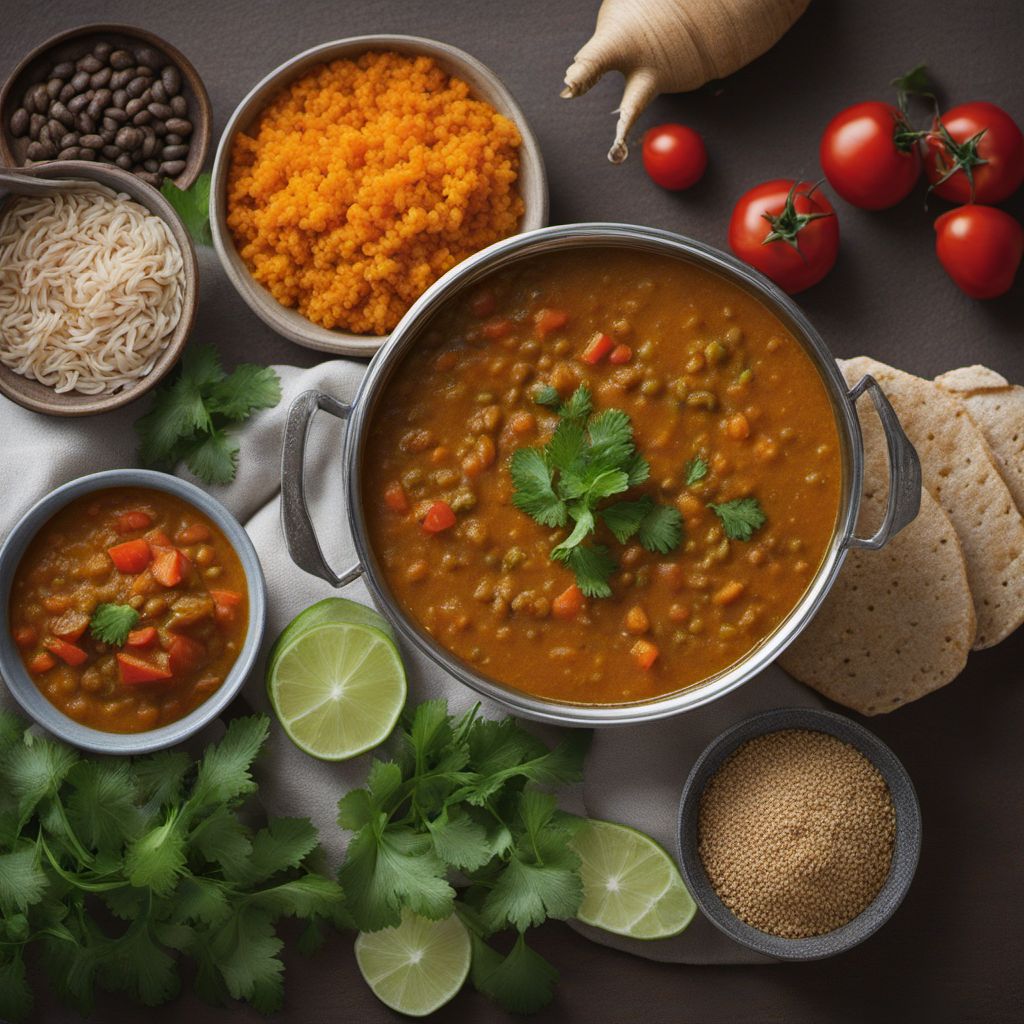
597,348
134,670
144,637
69,653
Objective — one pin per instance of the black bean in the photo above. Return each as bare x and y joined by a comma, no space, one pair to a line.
171,77
81,81
95,108
40,99
115,114
160,128
19,122
69,153
125,162
111,152
64,70
147,97
121,59
119,98
102,50
178,152
148,57
149,145
44,134
104,96
91,141
151,164
61,113
179,105
170,139
108,135
53,88
158,92
87,154
89,63
150,179
68,139
179,125
137,86
40,151
111,124
101,78
144,71
67,93
119,79
128,138
35,122
132,107
142,117
160,110
77,103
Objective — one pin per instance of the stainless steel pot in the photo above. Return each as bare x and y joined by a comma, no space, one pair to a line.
903,501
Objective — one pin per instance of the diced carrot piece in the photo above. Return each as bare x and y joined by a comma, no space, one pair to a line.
144,637
194,533
185,655
483,304
225,605
170,566
25,636
569,603
620,354
134,670
130,557
439,517
495,329
394,497
637,621
71,625
597,348
129,522
70,654
159,539
41,662
731,591
644,653
548,320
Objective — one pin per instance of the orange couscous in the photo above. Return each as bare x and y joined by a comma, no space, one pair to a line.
364,181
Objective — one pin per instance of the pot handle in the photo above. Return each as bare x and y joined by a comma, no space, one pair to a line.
904,470
299,532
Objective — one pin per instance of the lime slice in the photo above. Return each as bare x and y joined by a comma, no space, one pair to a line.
417,967
337,688
631,886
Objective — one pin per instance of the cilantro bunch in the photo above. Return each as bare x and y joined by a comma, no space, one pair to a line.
192,414
456,823
588,459
112,868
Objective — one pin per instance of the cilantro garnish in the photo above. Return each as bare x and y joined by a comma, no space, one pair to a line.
111,623
587,460
193,206
458,805
191,415
111,871
696,470
740,517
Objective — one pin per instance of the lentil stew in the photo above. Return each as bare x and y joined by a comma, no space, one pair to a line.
724,405
129,608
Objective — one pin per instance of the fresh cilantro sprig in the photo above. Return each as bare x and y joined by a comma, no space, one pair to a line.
191,415
111,623
740,517
696,470
112,870
455,823
193,206
587,460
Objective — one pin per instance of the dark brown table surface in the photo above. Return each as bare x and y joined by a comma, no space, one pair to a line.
953,952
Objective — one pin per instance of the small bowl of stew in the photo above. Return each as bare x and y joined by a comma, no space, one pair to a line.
132,610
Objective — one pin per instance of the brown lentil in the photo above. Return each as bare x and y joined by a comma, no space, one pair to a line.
796,832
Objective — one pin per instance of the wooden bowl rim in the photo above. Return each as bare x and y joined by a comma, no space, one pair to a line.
288,322
68,404
198,148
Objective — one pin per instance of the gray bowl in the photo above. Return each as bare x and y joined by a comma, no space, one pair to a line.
905,853
25,691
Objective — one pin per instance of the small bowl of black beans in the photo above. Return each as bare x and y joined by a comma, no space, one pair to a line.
109,94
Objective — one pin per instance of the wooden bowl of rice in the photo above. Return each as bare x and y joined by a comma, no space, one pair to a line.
135,380
318,160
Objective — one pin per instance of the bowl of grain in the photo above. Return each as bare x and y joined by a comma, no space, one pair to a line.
799,833
356,174
98,291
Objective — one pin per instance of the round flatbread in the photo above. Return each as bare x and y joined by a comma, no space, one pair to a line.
897,623
997,409
959,471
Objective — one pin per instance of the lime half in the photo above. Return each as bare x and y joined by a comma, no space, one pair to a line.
417,967
337,687
631,886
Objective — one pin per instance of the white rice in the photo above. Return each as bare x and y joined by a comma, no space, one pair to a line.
91,289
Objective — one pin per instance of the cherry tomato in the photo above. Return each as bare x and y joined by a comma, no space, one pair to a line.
870,155
980,247
979,143
787,230
675,156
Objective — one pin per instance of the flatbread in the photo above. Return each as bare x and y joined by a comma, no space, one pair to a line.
997,408
897,623
959,471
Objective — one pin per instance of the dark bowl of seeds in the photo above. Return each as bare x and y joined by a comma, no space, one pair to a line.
110,94
799,833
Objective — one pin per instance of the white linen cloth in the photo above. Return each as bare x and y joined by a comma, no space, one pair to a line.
634,774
